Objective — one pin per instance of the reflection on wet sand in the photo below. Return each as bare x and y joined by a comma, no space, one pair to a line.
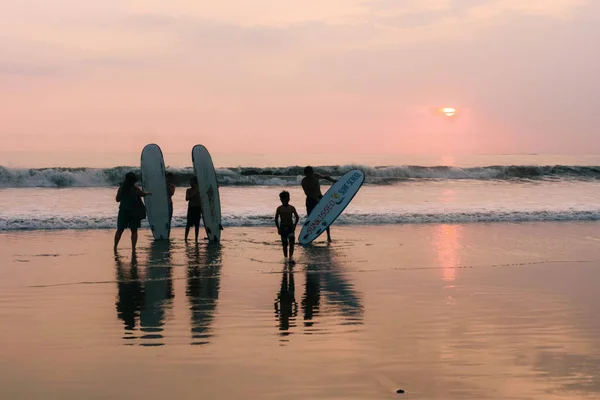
158,292
311,301
286,307
447,245
325,275
130,294
203,281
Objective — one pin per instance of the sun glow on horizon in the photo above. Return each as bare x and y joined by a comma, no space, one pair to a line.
449,111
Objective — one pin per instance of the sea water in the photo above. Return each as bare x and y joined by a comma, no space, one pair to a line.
398,189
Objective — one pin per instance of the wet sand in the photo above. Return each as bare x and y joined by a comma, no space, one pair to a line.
474,311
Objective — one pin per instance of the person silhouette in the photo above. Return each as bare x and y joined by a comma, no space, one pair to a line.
131,209
130,294
312,189
286,307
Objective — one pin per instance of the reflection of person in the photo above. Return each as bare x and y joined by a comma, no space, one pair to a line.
203,280
286,307
194,213
170,192
312,296
312,190
130,293
286,219
131,209
325,276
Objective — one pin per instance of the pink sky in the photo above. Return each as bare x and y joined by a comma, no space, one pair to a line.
311,76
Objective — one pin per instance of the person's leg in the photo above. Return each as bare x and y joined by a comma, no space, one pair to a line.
328,231
309,207
197,231
189,222
118,235
187,230
292,242
284,243
134,237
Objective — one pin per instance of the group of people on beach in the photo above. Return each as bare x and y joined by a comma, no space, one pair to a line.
132,211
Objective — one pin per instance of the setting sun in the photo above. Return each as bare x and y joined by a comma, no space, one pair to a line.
449,111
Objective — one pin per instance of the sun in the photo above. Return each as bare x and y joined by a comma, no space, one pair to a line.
449,111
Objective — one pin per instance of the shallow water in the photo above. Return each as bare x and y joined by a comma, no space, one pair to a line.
492,311
446,201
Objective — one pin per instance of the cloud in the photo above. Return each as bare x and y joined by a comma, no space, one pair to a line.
30,70
277,33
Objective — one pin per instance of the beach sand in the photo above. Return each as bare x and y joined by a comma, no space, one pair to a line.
473,311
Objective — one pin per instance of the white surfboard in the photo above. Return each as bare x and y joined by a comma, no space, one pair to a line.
331,205
154,181
209,192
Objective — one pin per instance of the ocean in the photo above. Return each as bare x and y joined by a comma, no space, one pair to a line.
53,191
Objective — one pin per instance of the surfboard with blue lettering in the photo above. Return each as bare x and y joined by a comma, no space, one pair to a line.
333,203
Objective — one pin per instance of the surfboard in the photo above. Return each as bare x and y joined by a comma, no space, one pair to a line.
333,203
209,192
154,181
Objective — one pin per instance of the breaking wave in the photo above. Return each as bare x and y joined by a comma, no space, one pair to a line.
244,220
288,176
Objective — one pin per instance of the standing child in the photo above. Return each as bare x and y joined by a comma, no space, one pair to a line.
170,192
194,213
286,219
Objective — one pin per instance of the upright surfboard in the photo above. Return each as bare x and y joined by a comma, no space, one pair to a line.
331,205
209,192
154,181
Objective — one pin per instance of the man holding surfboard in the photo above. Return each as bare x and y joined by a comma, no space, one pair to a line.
312,189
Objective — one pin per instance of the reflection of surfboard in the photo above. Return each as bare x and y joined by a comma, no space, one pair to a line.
331,205
154,181
158,293
209,192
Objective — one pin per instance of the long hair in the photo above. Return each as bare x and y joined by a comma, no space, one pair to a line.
130,180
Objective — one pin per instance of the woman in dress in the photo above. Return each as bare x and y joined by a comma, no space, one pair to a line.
131,209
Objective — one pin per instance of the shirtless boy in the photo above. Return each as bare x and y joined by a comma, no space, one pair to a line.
286,219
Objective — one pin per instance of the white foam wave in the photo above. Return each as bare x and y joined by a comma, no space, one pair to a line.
244,220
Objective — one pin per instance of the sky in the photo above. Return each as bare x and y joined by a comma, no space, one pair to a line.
335,76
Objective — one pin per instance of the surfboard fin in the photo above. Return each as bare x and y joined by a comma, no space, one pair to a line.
220,227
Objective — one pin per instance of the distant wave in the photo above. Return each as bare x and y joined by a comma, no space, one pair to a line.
288,176
241,220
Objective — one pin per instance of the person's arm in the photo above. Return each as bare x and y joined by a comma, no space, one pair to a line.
277,220
118,198
297,217
188,194
141,193
328,178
